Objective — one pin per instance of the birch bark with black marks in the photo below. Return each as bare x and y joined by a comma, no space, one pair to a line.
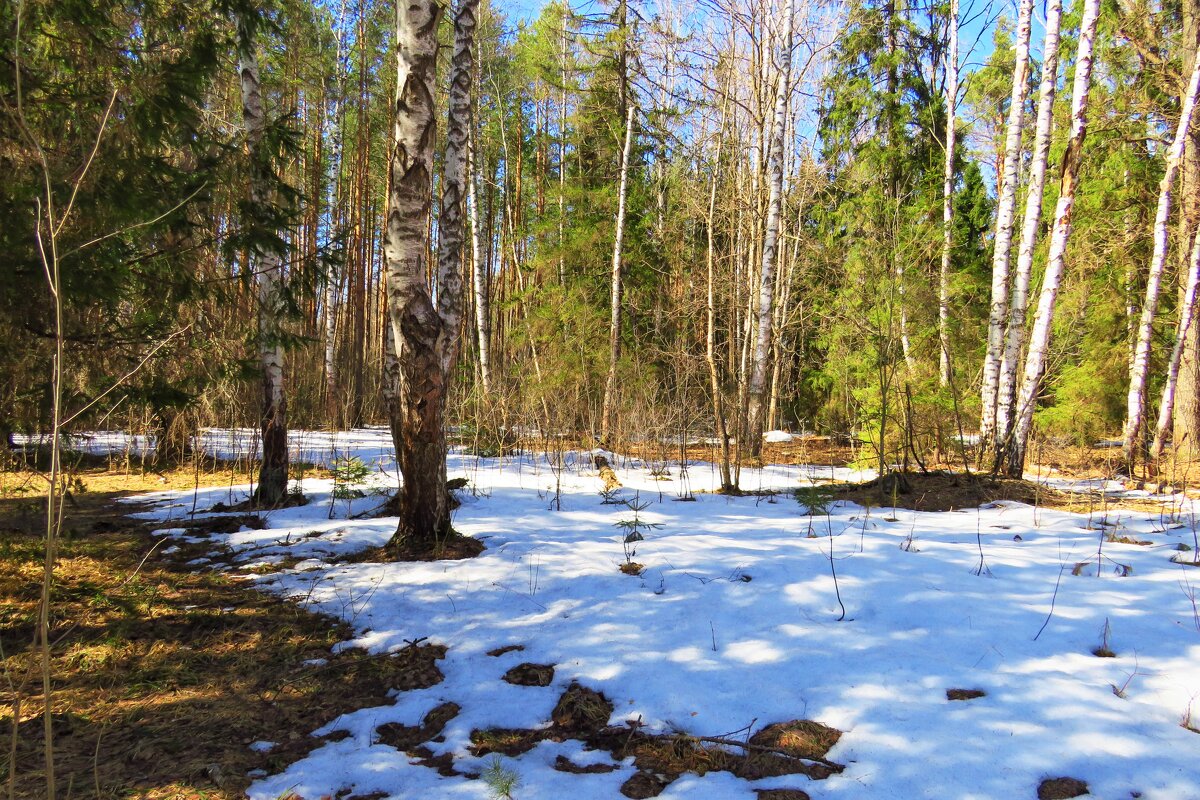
1140,366
766,293
266,262
479,273
608,411
1014,338
1039,340
422,340
1005,214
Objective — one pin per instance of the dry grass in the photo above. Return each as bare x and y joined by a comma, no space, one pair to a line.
162,676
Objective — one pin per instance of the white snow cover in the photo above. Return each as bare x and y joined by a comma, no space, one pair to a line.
735,624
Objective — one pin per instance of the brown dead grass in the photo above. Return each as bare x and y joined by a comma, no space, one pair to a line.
162,676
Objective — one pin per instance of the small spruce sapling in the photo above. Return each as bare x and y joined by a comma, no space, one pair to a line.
634,530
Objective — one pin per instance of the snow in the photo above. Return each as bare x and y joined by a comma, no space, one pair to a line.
734,624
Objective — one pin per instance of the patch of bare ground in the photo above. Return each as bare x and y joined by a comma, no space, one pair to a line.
947,491
530,675
965,694
162,676
1061,788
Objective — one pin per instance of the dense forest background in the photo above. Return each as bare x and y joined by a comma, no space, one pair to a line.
628,140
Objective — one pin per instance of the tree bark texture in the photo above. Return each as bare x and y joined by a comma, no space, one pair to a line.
267,264
1186,427
948,202
1140,366
1039,340
1006,198
422,340
608,410
1014,338
770,250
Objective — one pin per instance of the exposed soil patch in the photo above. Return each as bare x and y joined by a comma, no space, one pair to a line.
509,648
507,741
800,738
1061,789
965,694
163,676
564,764
645,784
406,737
781,794
453,548
530,674
946,491
581,712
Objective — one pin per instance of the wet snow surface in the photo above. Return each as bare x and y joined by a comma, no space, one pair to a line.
734,624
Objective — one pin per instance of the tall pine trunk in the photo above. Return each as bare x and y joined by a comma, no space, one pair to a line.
1140,366
267,263
766,294
1014,338
1039,340
1005,214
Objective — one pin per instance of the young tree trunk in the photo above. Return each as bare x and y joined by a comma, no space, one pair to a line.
1035,361
479,275
948,202
766,294
267,263
608,411
710,332
1014,338
1187,312
422,339
1140,366
337,122
1005,213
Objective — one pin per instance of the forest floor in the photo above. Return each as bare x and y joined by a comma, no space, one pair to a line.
163,676
757,647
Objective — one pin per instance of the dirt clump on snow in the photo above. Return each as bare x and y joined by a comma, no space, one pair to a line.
965,694
406,737
1061,788
507,741
581,711
528,674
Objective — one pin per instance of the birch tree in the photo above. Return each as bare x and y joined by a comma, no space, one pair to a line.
1039,340
1140,365
608,411
770,249
1014,337
1187,313
426,338
266,262
1005,214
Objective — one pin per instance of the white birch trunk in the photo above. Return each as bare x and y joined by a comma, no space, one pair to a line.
418,330
335,194
766,293
1014,338
1039,340
267,264
948,202
1140,366
614,331
478,275
454,183
1005,214
1187,313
